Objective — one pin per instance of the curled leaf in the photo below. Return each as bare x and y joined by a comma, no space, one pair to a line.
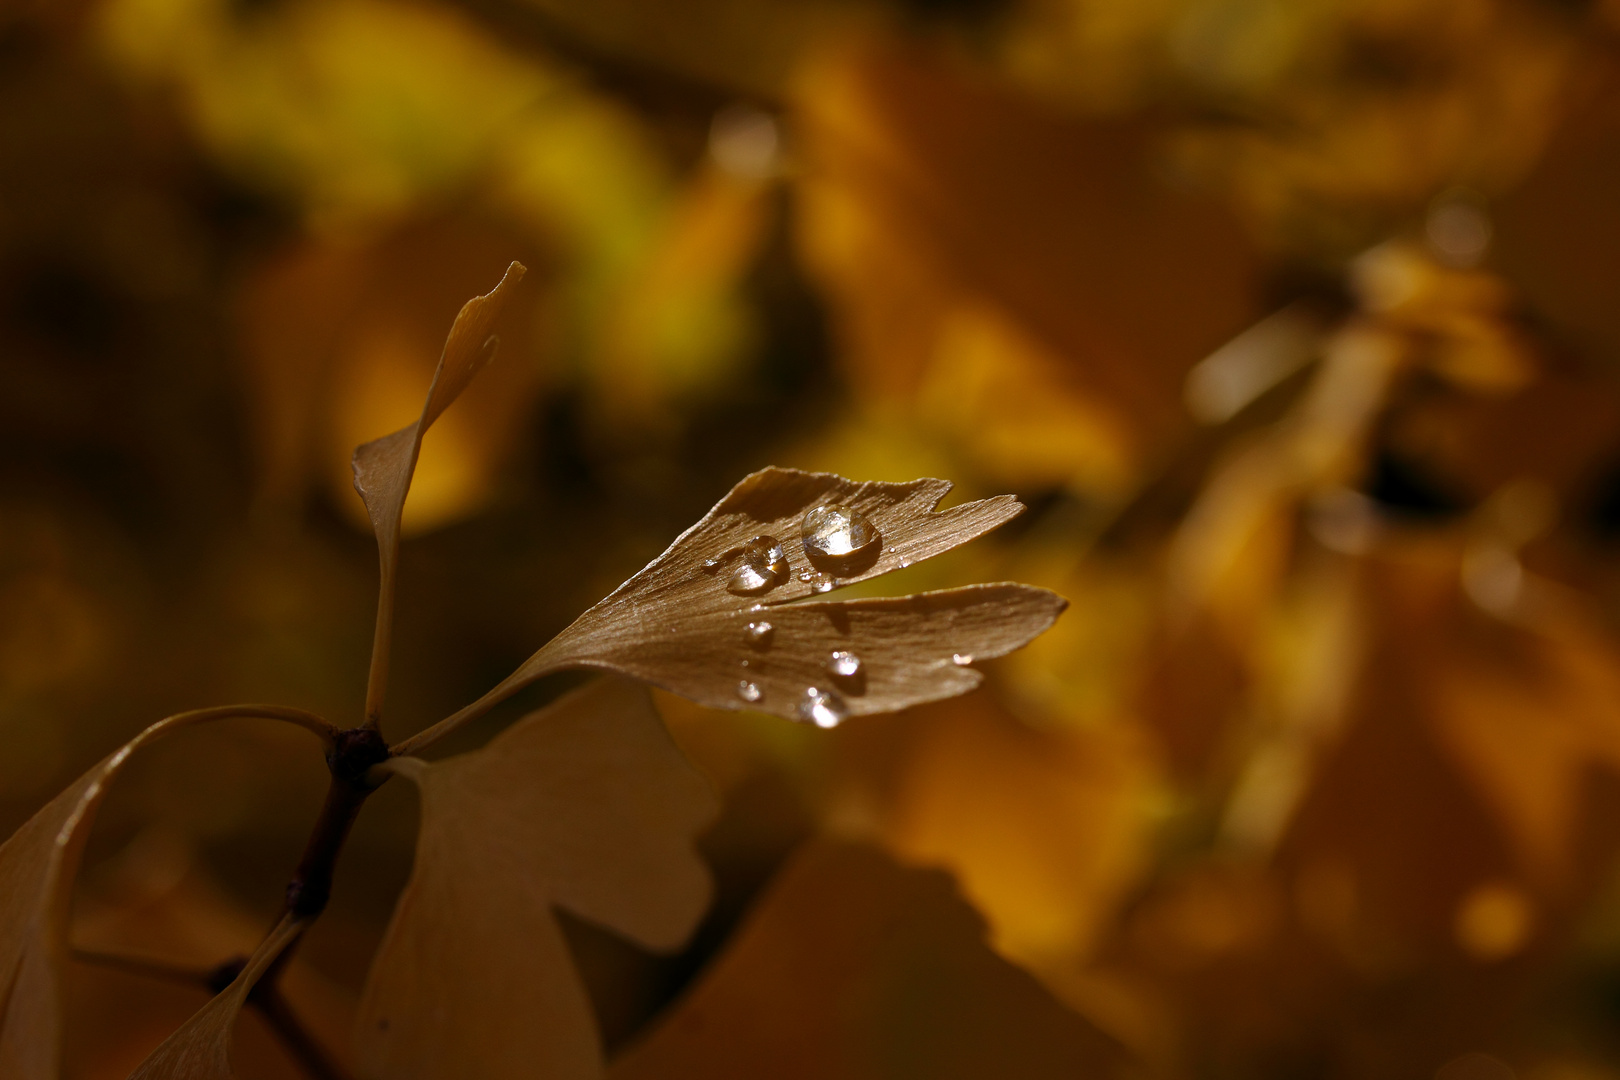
711,617
37,867
383,467
201,1049
585,804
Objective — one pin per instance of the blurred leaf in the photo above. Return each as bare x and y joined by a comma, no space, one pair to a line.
357,109
680,625
929,190
1044,831
1558,232
586,805
201,1049
852,967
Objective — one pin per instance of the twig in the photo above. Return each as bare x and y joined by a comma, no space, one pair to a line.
278,1013
163,970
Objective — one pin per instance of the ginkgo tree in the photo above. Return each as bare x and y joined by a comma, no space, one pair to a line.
585,804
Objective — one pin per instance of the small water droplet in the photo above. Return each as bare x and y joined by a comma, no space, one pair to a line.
711,565
961,659
823,708
762,565
844,664
820,583
748,691
745,663
836,532
904,563
759,633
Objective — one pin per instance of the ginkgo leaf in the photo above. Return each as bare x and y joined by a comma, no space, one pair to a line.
37,867
586,805
853,967
383,467
710,618
201,1049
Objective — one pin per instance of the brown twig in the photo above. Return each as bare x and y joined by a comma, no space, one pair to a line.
163,970
278,1013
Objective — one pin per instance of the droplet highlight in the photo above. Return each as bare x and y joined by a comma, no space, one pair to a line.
844,664
748,691
762,565
837,532
961,659
823,708
759,633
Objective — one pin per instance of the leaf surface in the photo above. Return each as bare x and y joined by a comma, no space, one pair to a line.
201,1049
37,866
383,467
676,624
586,805
852,967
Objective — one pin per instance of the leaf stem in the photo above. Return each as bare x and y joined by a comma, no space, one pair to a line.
382,641
528,673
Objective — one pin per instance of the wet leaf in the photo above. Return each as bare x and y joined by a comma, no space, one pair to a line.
585,805
678,624
853,967
201,1049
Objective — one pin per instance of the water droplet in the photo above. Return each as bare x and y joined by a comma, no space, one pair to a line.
748,691
711,565
762,565
820,583
844,664
759,633
961,659
823,708
836,532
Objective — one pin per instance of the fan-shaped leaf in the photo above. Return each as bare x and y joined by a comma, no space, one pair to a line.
585,804
678,624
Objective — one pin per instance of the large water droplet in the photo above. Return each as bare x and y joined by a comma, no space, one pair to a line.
762,565
844,664
823,708
759,633
748,691
837,532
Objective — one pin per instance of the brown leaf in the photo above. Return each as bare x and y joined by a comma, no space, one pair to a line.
853,967
678,625
585,804
201,1049
37,867
383,467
